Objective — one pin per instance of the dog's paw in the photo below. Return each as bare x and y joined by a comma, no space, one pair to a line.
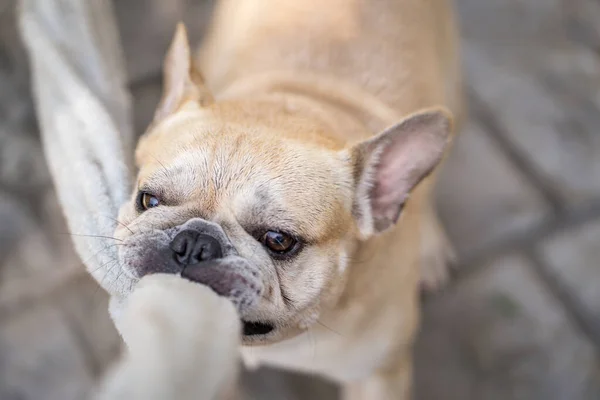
437,254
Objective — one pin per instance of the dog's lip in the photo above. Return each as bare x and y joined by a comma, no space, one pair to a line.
249,328
257,328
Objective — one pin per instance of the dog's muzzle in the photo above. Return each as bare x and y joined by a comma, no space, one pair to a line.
201,252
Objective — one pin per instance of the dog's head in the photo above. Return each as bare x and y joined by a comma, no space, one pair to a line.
249,194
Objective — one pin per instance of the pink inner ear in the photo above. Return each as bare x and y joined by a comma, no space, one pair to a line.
390,186
408,153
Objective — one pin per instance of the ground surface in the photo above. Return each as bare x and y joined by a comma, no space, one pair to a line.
520,197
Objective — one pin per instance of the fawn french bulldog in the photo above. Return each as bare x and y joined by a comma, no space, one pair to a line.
295,158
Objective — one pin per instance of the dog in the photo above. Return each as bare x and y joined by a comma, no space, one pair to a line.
296,157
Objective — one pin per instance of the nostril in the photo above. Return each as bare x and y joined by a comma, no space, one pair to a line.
182,245
179,245
206,248
191,247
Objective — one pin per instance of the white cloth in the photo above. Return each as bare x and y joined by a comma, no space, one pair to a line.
182,343
83,108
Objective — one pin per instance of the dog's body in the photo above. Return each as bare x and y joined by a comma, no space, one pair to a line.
368,64
301,88
400,54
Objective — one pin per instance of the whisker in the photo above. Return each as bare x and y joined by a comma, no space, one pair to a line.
119,275
101,250
120,223
161,164
102,266
131,284
135,225
100,284
330,329
90,236
312,343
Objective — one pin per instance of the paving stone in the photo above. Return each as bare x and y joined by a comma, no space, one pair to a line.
4,5
39,359
270,384
582,22
147,28
14,219
28,256
510,27
35,254
549,36
145,100
22,164
197,17
500,334
573,257
12,53
564,150
85,304
542,87
576,66
34,267
481,197
52,222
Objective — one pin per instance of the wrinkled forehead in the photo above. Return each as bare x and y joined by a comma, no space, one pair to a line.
264,182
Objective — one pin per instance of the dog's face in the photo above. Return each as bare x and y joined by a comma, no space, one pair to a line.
240,195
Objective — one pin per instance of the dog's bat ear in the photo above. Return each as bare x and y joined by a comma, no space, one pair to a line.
388,166
182,81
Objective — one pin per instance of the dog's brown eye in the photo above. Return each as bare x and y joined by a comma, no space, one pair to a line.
148,201
278,242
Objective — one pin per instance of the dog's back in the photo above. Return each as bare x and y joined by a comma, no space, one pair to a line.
401,51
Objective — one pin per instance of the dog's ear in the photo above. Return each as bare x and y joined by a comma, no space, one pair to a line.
182,82
388,166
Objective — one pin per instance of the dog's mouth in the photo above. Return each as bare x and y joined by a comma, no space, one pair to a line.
224,282
257,328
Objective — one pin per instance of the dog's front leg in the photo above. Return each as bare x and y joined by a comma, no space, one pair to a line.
390,384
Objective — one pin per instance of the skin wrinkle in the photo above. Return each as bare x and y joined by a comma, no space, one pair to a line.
280,285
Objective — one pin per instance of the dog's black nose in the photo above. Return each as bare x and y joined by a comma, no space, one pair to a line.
191,247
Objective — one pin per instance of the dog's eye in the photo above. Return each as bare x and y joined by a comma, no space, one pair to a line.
147,200
278,242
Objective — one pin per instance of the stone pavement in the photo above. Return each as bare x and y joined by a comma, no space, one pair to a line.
520,197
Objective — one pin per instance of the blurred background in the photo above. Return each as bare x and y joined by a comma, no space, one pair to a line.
520,197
